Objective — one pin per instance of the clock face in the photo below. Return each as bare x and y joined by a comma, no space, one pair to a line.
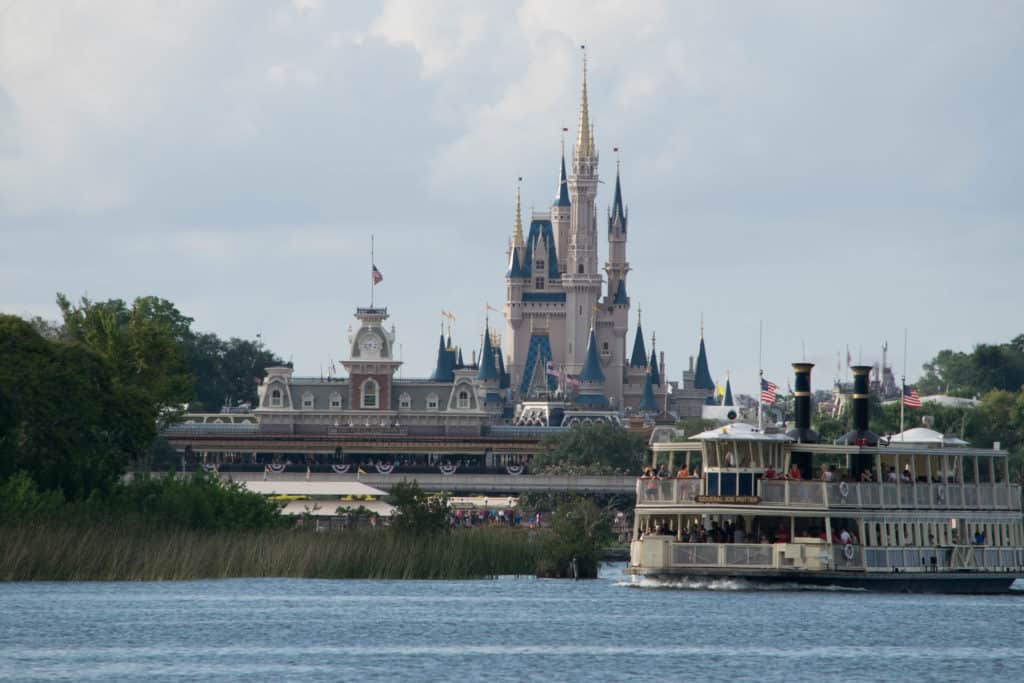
370,344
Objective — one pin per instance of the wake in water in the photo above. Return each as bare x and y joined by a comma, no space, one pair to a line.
709,583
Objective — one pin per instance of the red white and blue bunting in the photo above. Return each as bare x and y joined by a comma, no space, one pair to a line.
447,469
340,469
385,467
515,469
276,468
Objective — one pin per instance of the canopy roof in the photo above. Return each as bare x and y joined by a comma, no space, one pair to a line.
923,435
739,431
286,487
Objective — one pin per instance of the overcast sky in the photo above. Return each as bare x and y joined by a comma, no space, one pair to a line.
841,171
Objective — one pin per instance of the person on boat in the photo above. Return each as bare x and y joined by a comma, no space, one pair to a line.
794,472
695,474
663,471
782,534
683,473
770,473
866,475
845,537
891,475
825,474
647,474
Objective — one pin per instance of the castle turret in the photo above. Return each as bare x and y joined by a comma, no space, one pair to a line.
561,214
445,366
639,357
617,267
727,398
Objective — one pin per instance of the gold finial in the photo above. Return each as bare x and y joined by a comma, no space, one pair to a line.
702,325
639,314
584,133
654,340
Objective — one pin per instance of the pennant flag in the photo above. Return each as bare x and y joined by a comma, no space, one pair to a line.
911,398
768,390
377,277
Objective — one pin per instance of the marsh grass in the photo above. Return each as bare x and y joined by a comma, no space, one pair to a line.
111,552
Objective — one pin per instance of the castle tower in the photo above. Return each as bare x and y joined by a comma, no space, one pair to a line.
582,280
561,215
617,266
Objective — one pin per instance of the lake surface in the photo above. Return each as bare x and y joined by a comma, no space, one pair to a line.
498,630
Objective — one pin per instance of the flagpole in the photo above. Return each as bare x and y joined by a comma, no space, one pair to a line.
371,271
903,380
760,371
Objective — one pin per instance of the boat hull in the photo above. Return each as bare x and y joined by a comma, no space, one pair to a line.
969,583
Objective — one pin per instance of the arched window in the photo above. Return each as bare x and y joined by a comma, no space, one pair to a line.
580,269
463,401
336,400
275,398
432,402
369,394
307,401
404,402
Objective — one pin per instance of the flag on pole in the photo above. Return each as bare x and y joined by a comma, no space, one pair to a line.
768,390
376,275
849,358
550,369
911,397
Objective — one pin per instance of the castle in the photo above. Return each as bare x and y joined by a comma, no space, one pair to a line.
564,358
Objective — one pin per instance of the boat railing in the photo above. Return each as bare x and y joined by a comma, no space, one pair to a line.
655,491
722,554
918,495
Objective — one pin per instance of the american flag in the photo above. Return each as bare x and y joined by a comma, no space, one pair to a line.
376,275
911,398
550,369
768,390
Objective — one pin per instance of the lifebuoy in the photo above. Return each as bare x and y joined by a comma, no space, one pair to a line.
848,552
844,489
515,469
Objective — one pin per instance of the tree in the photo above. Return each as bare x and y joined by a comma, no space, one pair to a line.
418,512
591,449
65,418
579,530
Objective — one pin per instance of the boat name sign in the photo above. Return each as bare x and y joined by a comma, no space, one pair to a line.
730,500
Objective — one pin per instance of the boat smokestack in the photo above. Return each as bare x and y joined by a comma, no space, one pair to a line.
802,404
861,434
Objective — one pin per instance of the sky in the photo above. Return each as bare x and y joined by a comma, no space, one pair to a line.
840,172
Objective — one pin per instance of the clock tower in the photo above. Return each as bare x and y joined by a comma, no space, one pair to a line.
371,364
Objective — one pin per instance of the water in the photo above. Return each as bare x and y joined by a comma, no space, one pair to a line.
498,630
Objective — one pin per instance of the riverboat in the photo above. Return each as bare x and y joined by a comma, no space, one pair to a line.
930,515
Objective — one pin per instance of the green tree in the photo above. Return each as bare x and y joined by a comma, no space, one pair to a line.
579,530
591,449
65,419
416,511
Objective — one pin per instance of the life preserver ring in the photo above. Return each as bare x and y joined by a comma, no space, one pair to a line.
940,493
844,490
848,552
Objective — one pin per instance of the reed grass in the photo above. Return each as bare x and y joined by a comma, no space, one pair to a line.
110,552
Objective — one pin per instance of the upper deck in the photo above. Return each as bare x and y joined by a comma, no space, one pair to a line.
751,471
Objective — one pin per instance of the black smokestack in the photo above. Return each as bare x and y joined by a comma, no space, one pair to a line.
861,434
802,404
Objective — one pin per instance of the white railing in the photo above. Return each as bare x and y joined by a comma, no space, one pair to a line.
919,495
721,555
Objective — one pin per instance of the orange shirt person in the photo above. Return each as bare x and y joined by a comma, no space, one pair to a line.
683,473
794,472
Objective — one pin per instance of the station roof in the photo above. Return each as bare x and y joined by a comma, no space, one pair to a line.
285,487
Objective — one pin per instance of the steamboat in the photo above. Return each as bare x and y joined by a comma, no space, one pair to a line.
921,513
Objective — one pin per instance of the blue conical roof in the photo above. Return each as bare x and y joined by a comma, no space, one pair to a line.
562,196
639,357
503,378
459,363
618,210
727,401
654,371
445,363
620,294
702,377
488,371
647,402
592,366
515,266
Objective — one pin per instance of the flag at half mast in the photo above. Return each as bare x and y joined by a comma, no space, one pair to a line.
376,275
911,397
768,390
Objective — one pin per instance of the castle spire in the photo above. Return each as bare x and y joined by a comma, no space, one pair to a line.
562,198
584,133
517,229
488,370
618,213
